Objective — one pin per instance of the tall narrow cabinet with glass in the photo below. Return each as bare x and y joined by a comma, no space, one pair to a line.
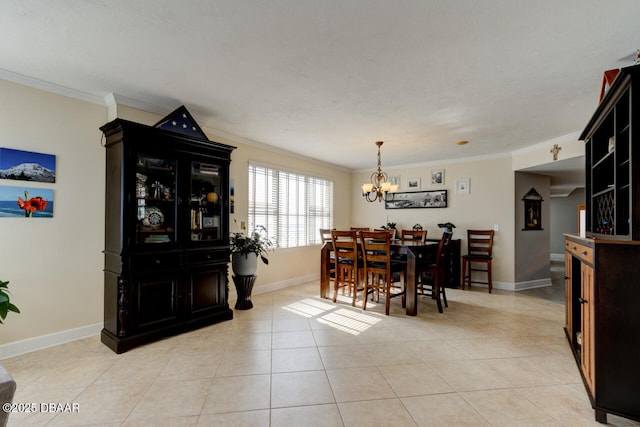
166,233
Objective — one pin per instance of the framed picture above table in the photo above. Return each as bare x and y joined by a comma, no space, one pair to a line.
416,199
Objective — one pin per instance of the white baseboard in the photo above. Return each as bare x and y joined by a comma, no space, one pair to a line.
17,348
557,257
520,286
532,284
261,289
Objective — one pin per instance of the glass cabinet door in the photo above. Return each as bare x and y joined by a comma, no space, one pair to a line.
205,203
155,200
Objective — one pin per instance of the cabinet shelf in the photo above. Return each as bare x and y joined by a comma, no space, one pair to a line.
612,191
603,159
609,189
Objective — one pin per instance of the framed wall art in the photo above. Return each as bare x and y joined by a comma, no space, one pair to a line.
462,186
416,199
27,165
24,202
437,177
413,183
532,210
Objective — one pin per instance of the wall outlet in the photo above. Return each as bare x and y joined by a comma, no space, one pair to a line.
495,227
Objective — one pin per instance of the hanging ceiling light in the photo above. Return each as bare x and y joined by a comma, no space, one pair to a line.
379,185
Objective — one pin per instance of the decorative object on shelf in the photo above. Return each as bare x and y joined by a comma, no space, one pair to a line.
417,199
462,186
555,151
417,227
447,227
607,80
153,217
212,197
245,250
437,177
232,197
532,210
181,121
380,185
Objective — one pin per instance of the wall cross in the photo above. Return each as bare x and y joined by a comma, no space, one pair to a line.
555,150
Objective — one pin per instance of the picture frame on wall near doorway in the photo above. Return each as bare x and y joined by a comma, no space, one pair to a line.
462,186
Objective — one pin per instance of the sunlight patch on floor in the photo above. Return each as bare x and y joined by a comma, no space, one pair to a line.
350,321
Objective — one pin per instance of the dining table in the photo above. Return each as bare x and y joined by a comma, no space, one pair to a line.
416,252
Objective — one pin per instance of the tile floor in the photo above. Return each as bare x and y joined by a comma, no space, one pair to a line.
297,360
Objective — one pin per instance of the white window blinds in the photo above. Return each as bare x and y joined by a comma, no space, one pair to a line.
292,207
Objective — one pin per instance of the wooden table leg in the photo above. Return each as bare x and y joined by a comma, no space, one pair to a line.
325,269
411,287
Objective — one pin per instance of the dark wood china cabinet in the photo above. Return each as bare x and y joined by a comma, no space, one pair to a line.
166,230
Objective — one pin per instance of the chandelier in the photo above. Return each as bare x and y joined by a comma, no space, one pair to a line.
379,185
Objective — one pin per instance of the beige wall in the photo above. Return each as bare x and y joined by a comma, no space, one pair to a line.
54,265
489,202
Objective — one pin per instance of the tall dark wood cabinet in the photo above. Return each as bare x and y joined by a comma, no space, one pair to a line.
166,233
601,268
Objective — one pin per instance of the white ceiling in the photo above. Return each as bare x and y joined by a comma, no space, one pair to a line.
329,78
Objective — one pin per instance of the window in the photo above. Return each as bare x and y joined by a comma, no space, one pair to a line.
293,207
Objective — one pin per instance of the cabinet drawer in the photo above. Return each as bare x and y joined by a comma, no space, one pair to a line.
205,257
583,252
155,262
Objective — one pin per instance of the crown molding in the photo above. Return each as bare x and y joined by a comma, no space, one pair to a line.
52,87
570,137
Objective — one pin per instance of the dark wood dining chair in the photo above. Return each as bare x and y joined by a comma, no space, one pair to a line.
432,275
348,263
325,236
360,229
414,235
379,270
479,251
392,232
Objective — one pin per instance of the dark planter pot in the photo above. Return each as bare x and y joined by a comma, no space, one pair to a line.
244,286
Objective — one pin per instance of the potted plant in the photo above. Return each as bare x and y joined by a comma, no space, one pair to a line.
7,384
246,248
5,301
